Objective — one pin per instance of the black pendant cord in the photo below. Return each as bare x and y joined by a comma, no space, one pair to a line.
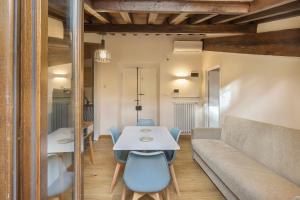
137,95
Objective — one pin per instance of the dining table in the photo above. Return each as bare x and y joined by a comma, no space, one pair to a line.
62,140
146,138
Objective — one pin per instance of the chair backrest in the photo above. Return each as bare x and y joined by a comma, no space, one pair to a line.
142,168
115,134
56,168
175,132
145,122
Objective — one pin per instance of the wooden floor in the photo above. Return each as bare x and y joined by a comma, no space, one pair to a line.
193,182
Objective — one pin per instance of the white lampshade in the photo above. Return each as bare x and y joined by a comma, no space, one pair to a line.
102,56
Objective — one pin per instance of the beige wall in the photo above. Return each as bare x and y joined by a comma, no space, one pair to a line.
258,87
262,88
288,23
142,51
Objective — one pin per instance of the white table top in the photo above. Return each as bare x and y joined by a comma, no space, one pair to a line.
130,139
62,133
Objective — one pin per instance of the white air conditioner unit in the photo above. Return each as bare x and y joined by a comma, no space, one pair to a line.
187,46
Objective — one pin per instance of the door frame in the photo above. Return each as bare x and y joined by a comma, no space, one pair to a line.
23,94
9,36
206,107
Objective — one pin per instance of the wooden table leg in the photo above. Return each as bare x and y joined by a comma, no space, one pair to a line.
91,149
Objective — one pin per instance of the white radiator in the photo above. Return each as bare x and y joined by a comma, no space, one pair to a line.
185,116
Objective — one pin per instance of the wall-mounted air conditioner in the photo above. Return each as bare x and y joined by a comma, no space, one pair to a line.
187,46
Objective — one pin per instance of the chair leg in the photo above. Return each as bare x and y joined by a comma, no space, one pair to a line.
61,196
167,193
155,196
174,179
115,177
137,196
92,159
123,197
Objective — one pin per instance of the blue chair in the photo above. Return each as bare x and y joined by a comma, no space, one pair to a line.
59,179
120,156
145,122
146,173
171,156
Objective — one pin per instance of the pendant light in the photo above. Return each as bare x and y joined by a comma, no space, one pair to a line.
102,55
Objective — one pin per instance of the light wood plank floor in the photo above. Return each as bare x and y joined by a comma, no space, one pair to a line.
193,182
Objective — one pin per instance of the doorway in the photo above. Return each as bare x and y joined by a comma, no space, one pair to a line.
139,98
213,98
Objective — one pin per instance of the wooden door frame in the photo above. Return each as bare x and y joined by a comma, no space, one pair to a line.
78,24
8,66
33,88
23,95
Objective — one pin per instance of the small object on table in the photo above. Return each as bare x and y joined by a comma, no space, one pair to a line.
65,140
146,138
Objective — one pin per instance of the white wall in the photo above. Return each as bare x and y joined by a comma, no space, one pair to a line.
258,87
262,88
145,51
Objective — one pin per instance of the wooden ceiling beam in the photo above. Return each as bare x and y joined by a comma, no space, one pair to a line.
57,10
134,28
177,19
278,43
281,10
126,17
152,18
227,1
278,17
258,6
171,6
89,10
200,19
220,19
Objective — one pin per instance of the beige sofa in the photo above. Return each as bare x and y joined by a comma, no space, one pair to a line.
249,160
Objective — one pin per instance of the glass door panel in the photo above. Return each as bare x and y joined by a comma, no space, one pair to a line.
62,90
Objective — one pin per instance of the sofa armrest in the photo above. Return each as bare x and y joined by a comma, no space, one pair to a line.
206,133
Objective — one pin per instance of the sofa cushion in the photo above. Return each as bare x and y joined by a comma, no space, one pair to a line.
276,147
247,179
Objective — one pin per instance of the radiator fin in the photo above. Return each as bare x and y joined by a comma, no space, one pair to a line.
184,116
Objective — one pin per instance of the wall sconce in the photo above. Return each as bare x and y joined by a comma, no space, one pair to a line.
186,75
181,75
58,75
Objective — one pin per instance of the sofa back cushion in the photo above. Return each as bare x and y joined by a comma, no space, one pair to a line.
276,147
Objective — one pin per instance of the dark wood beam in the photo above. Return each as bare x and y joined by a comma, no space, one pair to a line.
277,43
133,28
220,19
200,19
89,10
171,6
291,7
262,5
259,6
278,17
57,9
